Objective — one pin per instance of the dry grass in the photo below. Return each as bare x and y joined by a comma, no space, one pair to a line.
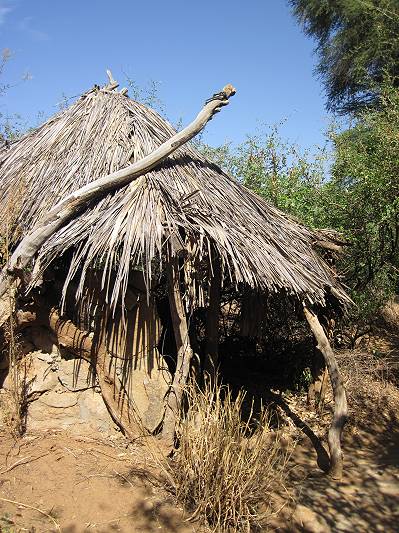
225,470
362,367
104,131
369,378
390,313
13,402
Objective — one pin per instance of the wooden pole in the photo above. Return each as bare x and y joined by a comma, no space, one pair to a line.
184,352
340,402
211,363
73,204
318,369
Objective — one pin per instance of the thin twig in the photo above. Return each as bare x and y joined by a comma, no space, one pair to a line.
23,461
124,478
70,451
106,455
26,506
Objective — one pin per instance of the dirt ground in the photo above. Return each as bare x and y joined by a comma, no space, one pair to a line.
367,498
57,481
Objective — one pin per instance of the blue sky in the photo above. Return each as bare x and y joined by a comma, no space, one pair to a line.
191,49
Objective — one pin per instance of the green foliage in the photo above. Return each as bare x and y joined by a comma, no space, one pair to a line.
12,127
353,190
357,44
278,171
148,96
7,523
282,174
364,191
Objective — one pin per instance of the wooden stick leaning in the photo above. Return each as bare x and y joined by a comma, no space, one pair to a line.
340,402
73,204
184,353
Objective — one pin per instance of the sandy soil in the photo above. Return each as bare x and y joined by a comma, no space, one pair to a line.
55,481
367,498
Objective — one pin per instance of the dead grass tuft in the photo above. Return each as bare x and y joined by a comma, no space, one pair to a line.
390,313
14,399
225,469
13,402
370,377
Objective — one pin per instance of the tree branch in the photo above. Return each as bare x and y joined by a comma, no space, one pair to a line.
340,402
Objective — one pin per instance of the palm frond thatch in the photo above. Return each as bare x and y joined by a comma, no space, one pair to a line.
105,131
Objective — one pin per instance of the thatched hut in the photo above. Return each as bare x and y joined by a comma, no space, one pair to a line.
184,224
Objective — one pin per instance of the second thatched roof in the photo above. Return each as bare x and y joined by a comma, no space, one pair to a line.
105,131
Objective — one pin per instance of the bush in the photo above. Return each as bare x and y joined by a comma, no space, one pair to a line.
226,469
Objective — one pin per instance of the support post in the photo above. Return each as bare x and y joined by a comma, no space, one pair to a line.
318,368
211,363
184,352
340,402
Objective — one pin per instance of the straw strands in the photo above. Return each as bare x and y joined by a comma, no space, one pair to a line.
185,199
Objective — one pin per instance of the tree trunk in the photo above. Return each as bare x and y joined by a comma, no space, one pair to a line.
73,204
340,402
184,352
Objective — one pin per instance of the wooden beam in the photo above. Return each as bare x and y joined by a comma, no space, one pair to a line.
340,401
184,352
73,204
211,363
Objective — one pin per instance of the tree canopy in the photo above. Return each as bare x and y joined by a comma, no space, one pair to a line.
357,44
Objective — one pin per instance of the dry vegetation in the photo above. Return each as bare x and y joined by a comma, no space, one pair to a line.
228,473
226,468
13,406
371,382
104,131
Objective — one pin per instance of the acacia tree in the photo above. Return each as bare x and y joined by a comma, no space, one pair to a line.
364,197
357,44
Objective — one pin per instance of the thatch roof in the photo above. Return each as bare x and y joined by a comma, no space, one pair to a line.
104,131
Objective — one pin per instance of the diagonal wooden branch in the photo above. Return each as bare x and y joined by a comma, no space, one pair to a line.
73,204
340,402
